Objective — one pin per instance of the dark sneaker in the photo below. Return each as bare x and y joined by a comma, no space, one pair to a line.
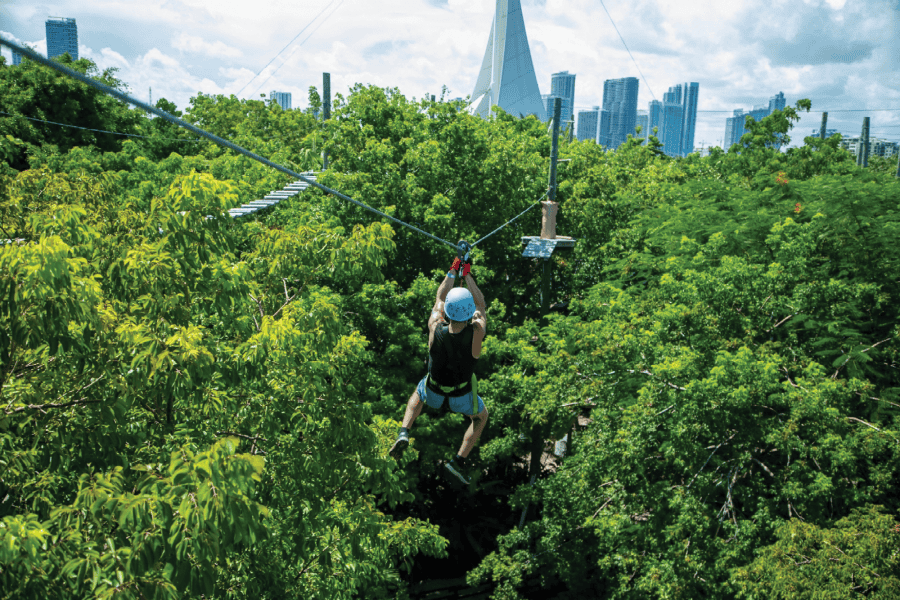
399,446
456,473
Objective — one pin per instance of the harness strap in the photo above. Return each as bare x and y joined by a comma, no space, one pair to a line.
448,391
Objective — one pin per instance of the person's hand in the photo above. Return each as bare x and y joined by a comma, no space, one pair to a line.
465,269
456,264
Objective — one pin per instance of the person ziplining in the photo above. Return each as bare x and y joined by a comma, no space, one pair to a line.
456,330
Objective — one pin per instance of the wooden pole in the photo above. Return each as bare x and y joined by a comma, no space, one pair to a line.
326,110
550,208
549,220
824,123
898,162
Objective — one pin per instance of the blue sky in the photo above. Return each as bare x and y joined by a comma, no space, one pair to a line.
841,54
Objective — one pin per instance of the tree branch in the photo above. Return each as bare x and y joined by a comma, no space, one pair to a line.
283,305
41,407
645,372
779,323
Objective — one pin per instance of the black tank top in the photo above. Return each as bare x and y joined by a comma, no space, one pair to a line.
450,360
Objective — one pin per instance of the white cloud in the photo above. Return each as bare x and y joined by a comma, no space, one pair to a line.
192,43
741,52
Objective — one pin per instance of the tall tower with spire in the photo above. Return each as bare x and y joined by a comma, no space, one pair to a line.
507,74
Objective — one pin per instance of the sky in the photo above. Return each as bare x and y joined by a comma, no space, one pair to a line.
841,54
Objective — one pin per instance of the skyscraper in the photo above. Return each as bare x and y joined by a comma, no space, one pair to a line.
673,96
672,123
587,124
643,120
283,99
62,37
547,103
620,105
562,85
776,102
689,128
507,76
654,118
735,126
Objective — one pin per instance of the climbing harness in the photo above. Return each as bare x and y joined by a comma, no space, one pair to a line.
31,54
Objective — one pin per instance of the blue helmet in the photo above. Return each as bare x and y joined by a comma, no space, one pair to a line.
459,306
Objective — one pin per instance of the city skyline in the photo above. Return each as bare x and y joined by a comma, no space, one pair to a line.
831,52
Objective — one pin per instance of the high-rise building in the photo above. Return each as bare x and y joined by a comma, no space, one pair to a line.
643,120
672,124
685,95
654,118
587,124
776,102
620,105
673,96
547,103
62,37
562,85
689,127
16,58
603,129
507,76
283,99
735,126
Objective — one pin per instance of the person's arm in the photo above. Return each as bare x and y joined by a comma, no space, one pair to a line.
437,312
479,320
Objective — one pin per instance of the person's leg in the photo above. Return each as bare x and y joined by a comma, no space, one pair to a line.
413,409
473,433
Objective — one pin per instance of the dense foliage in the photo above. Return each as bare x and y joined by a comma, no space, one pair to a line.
195,406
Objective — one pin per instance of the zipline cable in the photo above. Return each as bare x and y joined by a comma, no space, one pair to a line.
225,143
286,47
513,219
311,33
146,137
213,138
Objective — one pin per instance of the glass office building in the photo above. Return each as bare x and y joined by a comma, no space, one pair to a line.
619,114
62,37
735,126
587,124
654,118
691,93
282,99
643,120
671,130
562,85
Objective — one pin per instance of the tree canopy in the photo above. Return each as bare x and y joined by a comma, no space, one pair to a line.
197,406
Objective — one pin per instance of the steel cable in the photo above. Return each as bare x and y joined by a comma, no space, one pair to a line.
27,52
146,137
513,219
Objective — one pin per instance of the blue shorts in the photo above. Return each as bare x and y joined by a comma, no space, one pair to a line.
458,404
